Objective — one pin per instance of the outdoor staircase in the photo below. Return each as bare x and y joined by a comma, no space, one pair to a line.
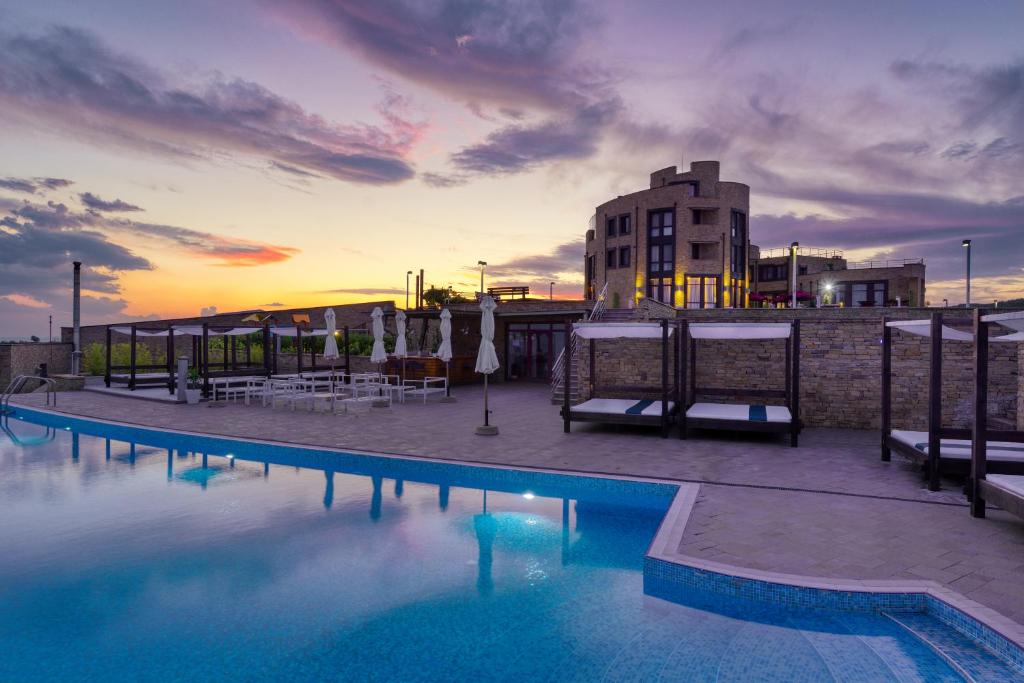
572,346
620,315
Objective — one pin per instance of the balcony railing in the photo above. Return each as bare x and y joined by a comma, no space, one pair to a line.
888,263
819,252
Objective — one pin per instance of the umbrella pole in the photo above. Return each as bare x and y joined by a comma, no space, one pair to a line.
486,411
486,429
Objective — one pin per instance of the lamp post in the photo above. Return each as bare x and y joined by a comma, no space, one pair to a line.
966,244
482,264
792,267
551,291
407,274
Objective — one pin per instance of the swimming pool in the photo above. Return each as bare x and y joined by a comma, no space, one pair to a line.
146,555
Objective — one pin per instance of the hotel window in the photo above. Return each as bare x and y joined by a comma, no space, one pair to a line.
738,243
696,216
609,260
610,227
772,272
623,257
692,189
701,291
625,224
695,250
660,254
872,293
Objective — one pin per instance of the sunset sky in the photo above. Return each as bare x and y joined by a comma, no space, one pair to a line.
244,153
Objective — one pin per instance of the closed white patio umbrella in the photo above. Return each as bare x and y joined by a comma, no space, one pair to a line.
487,357
378,354
444,351
331,354
401,351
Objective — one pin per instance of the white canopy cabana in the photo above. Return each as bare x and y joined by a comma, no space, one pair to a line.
740,330
194,330
291,332
601,330
1014,320
923,328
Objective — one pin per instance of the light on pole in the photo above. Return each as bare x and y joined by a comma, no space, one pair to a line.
966,244
551,291
407,274
482,264
792,267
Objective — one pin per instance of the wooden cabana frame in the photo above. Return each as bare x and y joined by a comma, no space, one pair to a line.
932,461
670,394
297,333
1004,489
790,393
135,375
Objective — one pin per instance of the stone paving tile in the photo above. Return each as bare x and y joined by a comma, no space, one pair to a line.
830,508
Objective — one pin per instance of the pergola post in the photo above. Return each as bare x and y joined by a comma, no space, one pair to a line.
298,348
348,370
886,389
205,355
664,379
935,403
106,375
170,359
266,349
980,433
684,332
567,381
794,410
131,355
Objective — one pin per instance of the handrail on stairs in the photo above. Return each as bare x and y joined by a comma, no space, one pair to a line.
572,344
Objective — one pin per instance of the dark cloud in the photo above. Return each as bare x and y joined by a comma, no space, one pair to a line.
565,259
69,80
519,148
33,185
444,179
993,94
370,291
513,54
95,203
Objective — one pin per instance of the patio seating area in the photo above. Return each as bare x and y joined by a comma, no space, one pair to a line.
830,508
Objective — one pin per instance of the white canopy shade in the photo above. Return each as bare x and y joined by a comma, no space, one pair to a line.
401,351
331,343
487,357
444,351
291,332
740,330
923,328
619,330
1014,319
378,355
194,330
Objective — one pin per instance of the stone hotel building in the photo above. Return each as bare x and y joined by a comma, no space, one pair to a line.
684,242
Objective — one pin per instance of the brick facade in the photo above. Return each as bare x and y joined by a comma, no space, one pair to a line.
840,362
701,206
23,358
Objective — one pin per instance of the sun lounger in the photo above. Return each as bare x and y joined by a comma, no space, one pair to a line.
621,410
959,449
1004,490
737,412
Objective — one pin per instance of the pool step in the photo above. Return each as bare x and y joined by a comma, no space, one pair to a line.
972,659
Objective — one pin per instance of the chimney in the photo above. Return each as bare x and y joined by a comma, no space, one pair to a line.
76,321
423,290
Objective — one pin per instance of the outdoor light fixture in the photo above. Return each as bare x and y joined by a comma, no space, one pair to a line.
966,244
529,496
551,290
482,264
407,274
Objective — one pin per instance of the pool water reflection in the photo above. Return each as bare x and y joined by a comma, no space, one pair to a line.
164,560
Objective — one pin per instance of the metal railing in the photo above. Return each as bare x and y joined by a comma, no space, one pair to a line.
572,344
889,263
18,383
820,252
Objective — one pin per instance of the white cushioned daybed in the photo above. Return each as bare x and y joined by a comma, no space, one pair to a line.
960,449
739,411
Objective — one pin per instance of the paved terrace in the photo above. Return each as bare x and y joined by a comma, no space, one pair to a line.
828,509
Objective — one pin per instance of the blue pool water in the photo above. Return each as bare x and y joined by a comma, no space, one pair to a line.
131,555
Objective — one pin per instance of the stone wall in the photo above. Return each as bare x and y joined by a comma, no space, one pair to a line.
840,362
23,358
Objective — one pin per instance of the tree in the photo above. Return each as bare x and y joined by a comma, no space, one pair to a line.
34,338
435,297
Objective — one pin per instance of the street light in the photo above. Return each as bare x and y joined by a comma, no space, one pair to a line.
551,291
793,249
407,274
966,244
482,264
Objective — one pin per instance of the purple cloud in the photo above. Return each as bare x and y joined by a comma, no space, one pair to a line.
93,202
70,80
552,265
33,185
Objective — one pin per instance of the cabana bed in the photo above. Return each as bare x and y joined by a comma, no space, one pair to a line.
754,417
1003,489
939,449
638,409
